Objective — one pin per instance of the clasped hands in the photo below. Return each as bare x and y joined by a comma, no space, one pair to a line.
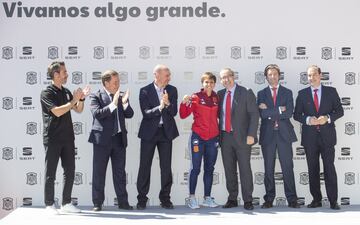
321,120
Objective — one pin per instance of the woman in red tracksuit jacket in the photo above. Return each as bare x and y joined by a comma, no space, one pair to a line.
204,138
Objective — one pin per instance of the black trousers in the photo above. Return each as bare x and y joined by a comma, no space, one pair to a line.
147,150
328,156
102,154
285,153
53,152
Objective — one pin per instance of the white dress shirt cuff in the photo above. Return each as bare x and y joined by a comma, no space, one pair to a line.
112,107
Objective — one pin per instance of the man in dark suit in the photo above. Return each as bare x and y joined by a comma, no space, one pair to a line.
109,138
158,103
238,123
277,133
317,108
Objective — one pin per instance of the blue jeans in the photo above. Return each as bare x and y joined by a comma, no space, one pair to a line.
209,150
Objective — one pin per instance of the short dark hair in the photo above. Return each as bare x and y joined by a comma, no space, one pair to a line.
106,76
271,67
54,67
208,75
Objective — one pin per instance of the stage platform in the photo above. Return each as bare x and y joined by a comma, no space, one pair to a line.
348,215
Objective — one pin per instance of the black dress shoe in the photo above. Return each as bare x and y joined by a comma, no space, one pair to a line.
97,208
230,204
314,204
125,206
334,206
141,205
248,206
167,205
267,205
294,204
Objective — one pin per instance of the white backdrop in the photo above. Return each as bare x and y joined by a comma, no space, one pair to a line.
243,35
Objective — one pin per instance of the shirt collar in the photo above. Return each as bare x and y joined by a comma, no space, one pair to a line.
277,87
318,88
232,89
158,89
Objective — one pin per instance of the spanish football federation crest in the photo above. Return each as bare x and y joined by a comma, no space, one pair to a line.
350,78
99,52
259,178
77,77
281,52
7,103
304,178
144,52
53,52
31,128
326,53
304,78
77,128
78,178
259,78
236,52
31,77
7,52
190,52
7,153
349,128
349,178
8,204
31,178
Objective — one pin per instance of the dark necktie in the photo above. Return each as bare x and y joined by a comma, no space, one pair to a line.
116,125
228,113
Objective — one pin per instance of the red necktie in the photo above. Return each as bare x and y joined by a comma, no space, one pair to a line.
228,112
274,95
316,100
276,125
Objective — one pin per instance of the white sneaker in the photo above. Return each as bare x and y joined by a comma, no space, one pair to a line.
51,210
209,202
69,208
192,203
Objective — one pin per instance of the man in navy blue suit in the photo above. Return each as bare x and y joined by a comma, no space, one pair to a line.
277,134
158,103
109,108
317,108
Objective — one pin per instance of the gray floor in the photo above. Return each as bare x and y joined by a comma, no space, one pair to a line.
348,215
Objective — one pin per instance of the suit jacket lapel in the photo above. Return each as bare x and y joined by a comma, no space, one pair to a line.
105,97
154,95
268,97
236,99
321,100
279,95
310,100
